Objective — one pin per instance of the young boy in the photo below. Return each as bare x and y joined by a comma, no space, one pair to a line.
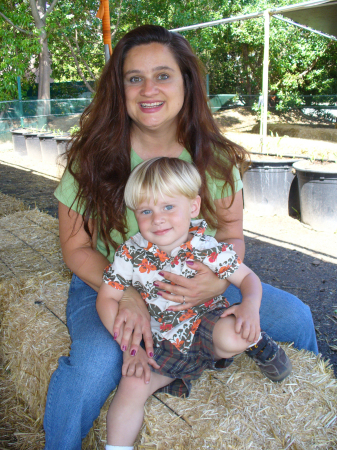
164,195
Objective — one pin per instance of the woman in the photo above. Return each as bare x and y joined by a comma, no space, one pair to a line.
150,102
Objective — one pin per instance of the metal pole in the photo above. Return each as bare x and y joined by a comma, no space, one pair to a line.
20,101
264,110
106,52
219,22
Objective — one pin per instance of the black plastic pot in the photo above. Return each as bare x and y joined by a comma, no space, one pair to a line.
318,195
270,187
48,149
33,146
19,142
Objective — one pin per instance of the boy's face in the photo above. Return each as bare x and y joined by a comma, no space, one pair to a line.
167,222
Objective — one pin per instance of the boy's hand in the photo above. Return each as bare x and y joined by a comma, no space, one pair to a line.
247,320
138,365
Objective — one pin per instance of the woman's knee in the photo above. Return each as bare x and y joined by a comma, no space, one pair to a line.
283,306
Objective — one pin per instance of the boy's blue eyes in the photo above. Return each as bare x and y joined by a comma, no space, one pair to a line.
149,211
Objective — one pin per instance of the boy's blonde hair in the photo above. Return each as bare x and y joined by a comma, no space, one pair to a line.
161,176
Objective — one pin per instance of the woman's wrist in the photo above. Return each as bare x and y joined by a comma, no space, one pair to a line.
133,298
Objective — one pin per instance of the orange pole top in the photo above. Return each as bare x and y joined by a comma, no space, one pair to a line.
104,14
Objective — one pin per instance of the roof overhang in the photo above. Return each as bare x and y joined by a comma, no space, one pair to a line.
319,15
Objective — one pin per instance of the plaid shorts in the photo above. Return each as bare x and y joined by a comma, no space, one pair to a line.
185,367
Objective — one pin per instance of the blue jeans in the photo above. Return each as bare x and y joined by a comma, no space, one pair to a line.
82,382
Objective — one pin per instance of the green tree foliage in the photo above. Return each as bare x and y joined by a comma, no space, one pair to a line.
19,45
300,62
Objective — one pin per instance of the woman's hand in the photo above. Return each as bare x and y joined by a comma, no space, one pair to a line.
133,322
189,292
138,365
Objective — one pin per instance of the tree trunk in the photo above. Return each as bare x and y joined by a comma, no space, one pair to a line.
247,80
44,68
40,13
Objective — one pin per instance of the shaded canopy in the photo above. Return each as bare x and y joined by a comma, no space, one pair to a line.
321,15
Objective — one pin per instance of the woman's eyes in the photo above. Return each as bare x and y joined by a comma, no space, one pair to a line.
163,76
137,79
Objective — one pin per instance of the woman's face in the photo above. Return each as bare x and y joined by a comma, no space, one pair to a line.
154,87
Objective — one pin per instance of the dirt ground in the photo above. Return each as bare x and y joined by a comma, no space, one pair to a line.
292,134
280,249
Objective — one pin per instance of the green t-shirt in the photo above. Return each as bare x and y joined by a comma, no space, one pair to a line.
67,190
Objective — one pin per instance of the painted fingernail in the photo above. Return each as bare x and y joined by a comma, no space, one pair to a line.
133,352
159,293
190,263
123,348
151,354
161,274
155,284
115,336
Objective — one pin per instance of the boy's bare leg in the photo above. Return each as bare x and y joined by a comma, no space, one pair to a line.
226,342
126,412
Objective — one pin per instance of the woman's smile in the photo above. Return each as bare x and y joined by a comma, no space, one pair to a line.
149,108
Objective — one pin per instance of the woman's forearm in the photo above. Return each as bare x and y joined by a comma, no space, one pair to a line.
88,264
78,249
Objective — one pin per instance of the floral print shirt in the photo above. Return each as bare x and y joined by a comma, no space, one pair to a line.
138,263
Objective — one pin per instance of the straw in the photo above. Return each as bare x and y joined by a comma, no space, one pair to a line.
29,242
10,205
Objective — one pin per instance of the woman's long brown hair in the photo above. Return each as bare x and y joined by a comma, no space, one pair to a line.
99,157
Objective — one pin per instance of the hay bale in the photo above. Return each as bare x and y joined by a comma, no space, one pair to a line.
234,409
18,430
29,242
240,409
10,205
33,337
